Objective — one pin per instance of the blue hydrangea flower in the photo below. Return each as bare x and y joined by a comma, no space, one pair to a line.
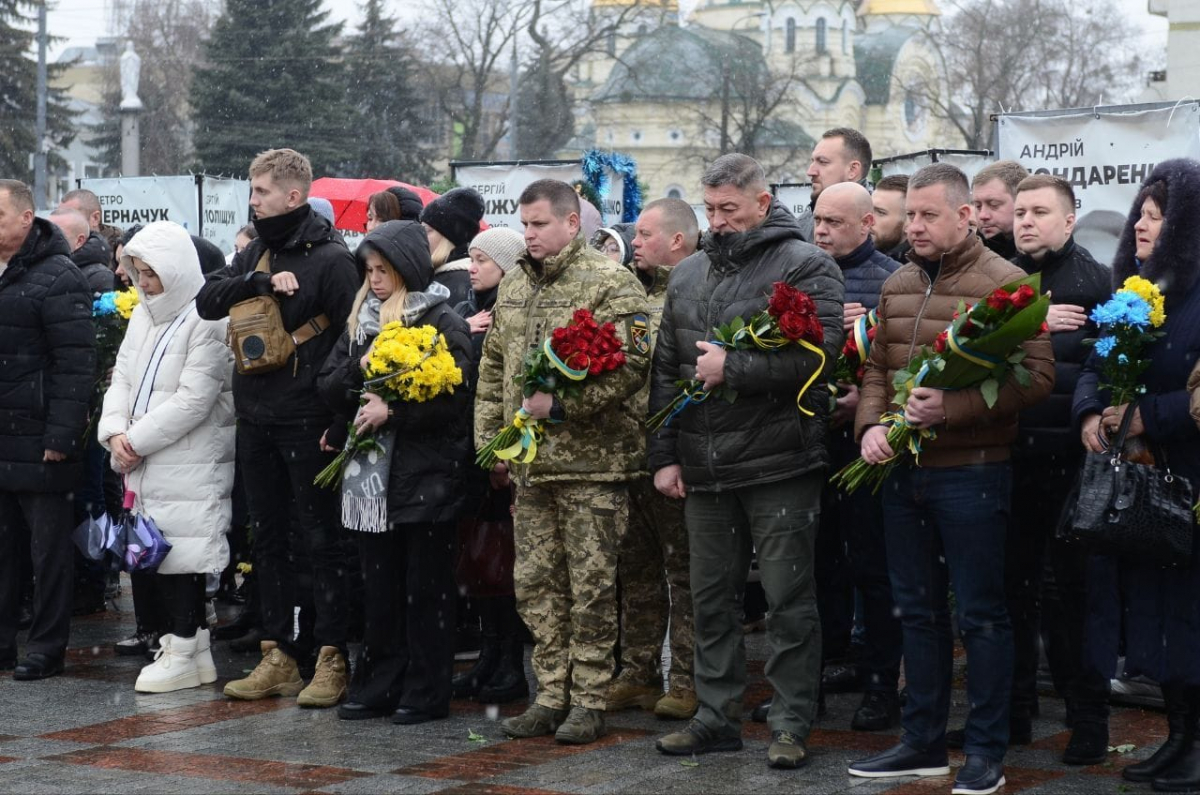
1105,345
106,304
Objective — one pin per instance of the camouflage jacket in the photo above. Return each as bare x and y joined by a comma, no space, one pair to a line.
656,296
602,438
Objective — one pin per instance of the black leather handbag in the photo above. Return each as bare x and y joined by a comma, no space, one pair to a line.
1136,512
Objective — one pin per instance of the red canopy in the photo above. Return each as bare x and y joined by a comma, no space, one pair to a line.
349,198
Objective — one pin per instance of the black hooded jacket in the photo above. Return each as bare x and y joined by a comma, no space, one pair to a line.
324,269
47,363
94,260
1072,276
761,437
432,451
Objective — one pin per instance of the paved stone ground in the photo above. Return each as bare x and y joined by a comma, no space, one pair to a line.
88,732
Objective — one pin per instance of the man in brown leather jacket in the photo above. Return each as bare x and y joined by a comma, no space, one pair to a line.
945,520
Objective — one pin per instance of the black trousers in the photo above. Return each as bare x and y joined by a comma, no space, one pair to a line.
278,464
1044,579
47,521
407,658
168,603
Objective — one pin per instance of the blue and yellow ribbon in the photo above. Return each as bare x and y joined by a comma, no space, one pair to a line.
913,437
560,365
524,450
975,357
861,326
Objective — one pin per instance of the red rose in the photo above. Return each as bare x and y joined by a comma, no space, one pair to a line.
1045,327
966,328
871,333
618,359
803,304
939,344
1023,297
999,300
816,332
783,298
850,349
596,367
860,372
792,325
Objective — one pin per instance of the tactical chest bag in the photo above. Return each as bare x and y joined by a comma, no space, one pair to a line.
259,341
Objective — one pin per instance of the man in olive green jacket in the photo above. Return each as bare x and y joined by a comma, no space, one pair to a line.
572,500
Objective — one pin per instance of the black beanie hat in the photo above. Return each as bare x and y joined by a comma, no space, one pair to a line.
211,258
456,215
410,203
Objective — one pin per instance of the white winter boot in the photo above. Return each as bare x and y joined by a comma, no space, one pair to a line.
174,667
204,659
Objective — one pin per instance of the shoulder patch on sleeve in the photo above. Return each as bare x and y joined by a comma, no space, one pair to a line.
638,333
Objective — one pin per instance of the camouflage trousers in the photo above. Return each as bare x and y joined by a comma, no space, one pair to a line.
567,535
655,586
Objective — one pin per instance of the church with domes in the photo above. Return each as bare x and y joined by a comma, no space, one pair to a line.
762,76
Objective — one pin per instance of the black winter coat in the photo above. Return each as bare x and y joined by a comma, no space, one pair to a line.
325,270
432,451
1072,276
865,270
47,363
94,260
761,437
1154,613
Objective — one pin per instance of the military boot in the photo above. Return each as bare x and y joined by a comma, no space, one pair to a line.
276,675
678,704
581,727
625,692
537,721
328,685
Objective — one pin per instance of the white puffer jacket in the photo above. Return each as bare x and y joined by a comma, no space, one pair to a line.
185,435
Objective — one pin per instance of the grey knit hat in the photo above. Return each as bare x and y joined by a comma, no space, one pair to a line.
502,244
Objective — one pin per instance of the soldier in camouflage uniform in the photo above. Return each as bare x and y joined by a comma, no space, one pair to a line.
572,501
654,553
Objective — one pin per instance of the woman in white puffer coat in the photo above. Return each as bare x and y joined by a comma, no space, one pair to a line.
168,421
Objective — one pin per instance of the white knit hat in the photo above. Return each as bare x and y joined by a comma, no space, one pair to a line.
502,244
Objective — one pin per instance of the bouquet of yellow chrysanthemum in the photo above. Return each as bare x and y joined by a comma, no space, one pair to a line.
410,364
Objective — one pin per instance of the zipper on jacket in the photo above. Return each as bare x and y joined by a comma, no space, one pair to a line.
529,314
912,345
705,407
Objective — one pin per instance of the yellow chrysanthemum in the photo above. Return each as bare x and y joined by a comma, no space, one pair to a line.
1148,291
126,300
423,365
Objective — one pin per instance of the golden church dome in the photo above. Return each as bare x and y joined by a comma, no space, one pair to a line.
880,7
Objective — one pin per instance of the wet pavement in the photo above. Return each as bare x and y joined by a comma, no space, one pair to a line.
89,732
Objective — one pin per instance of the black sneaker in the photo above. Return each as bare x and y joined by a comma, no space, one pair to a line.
979,776
697,739
901,760
880,709
136,644
843,678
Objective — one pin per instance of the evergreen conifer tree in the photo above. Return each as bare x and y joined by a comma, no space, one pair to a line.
273,77
389,133
18,97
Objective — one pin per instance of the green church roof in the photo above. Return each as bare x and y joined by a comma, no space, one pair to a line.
674,63
875,60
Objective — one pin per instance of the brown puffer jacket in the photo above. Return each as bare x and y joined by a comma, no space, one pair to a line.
913,310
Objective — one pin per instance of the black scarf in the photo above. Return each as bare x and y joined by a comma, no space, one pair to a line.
278,230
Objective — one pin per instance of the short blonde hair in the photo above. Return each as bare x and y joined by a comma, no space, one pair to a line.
286,166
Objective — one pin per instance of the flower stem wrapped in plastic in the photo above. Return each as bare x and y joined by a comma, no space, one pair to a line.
981,347
559,366
411,364
789,319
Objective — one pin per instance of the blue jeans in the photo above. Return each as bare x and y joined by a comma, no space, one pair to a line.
947,525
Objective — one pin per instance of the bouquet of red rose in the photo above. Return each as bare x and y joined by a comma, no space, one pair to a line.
559,366
850,365
981,347
789,319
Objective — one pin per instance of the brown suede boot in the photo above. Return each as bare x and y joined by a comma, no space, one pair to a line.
328,685
276,675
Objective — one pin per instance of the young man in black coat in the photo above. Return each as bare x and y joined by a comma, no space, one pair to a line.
47,367
283,423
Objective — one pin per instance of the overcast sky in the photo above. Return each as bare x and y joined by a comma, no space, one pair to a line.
78,22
